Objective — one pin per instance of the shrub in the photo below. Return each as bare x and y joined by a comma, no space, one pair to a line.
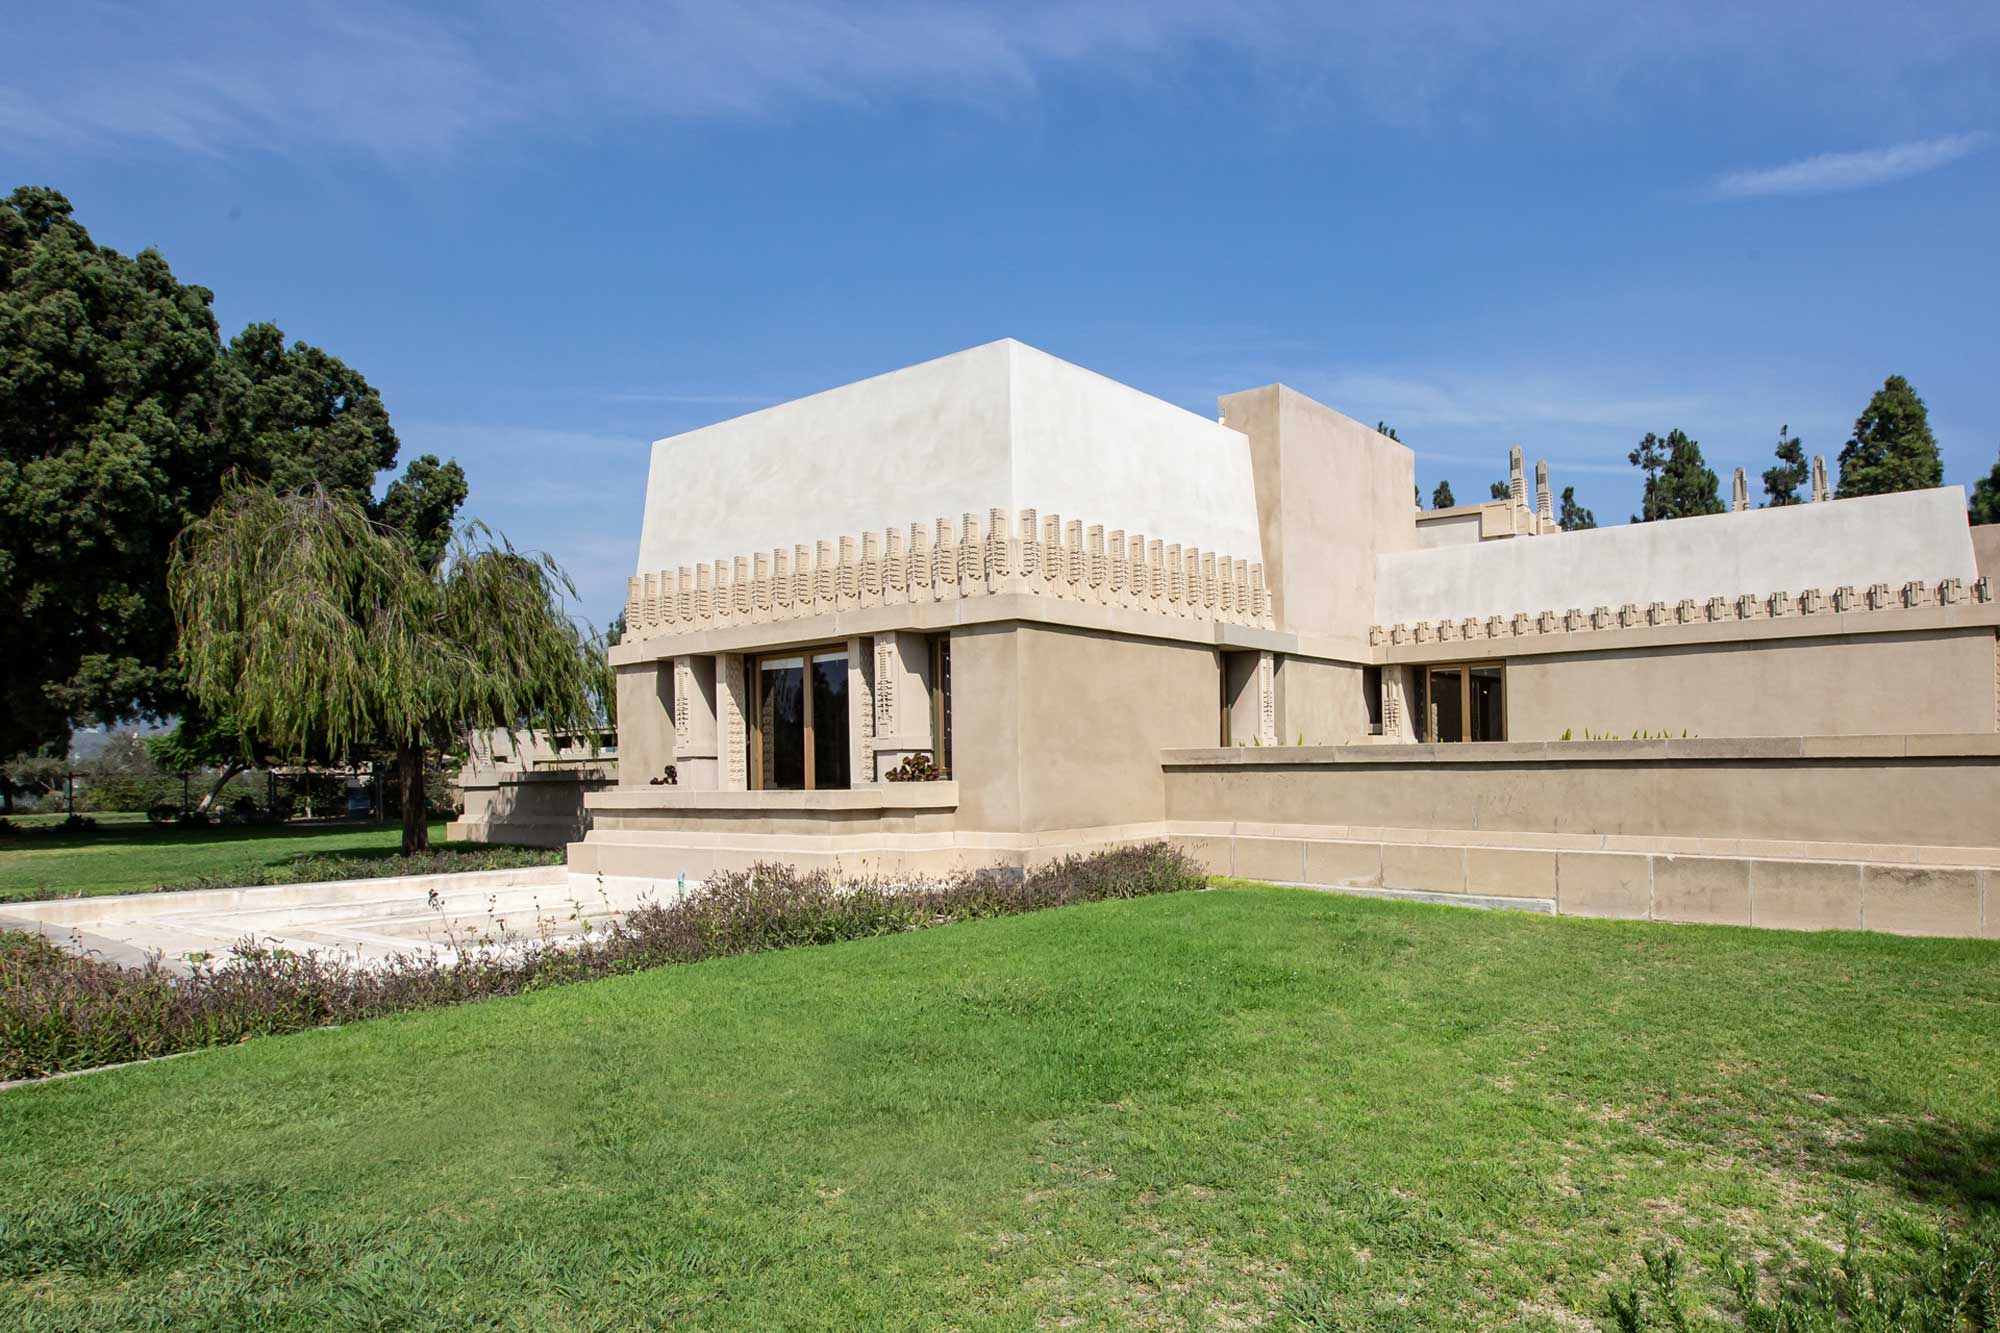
918,767
60,1011
1950,1286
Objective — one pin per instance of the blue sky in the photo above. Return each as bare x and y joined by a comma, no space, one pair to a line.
550,236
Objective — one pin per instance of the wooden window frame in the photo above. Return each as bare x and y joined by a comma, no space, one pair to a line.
755,726
941,738
1465,670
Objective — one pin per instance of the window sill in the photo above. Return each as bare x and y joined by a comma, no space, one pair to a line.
881,796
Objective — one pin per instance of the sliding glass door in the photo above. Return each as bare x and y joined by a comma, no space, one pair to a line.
798,724
1467,701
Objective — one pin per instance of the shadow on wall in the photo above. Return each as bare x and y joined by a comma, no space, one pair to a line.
537,809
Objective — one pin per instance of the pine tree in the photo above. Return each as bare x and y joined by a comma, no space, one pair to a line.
1985,504
1892,448
1383,428
1441,497
1500,490
1573,517
1678,483
1781,483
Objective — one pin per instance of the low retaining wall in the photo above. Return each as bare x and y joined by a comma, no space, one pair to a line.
1893,833
529,809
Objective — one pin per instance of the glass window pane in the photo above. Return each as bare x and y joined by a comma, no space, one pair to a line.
1447,708
942,675
781,722
829,685
1489,712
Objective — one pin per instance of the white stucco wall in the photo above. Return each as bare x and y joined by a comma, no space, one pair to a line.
1000,424
1870,539
1091,448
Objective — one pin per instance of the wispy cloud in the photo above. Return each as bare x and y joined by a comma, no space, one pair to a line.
386,78
1826,173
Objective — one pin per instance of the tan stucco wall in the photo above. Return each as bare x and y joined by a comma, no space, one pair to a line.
645,722
1851,685
986,726
1331,495
1320,703
1986,549
1848,799
1095,712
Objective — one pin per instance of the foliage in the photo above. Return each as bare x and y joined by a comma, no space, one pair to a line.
123,777
59,1011
1892,448
1571,516
1952,1285
918,767
1384,428
1792,471
1500,490
1441,498
1984,503
121,411
316,627
1678,483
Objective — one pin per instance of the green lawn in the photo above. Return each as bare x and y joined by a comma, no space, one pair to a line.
128,856
1248,1107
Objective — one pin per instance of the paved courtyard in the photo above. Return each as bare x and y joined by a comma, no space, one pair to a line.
367,919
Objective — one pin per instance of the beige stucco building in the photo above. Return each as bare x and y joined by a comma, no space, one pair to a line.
1102,618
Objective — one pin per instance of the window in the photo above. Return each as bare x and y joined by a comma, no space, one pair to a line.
941,701
1462,701
798,721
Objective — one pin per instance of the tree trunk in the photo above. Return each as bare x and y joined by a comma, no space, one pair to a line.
229,770
410,770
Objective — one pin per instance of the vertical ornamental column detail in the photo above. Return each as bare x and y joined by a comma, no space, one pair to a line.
734,705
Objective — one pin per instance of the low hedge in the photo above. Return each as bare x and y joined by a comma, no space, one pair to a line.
60,1011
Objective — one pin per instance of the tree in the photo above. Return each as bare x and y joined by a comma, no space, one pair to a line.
1984,507
1678,483
107,374
314,625
1781,483
1500,490
1384,428
1573,517
1441,497
120,414
422,504
1892,448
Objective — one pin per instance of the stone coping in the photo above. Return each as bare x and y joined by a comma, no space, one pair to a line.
1641,844
1966,745
683,800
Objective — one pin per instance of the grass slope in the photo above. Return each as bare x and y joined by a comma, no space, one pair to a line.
132,856
1247,1107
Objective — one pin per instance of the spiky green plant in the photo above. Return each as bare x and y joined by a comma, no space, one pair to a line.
318,628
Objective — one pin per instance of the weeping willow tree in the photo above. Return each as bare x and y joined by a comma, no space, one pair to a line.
317,628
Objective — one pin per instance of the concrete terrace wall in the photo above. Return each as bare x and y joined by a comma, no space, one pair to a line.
1839,685
1894,833
1871,539
997,425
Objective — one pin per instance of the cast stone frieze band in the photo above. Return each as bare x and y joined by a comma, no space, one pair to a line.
1746,606
1037,555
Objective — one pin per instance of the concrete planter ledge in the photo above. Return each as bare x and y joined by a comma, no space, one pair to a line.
881,796
1976,746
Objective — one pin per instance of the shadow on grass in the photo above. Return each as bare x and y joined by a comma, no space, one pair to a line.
1941,1164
